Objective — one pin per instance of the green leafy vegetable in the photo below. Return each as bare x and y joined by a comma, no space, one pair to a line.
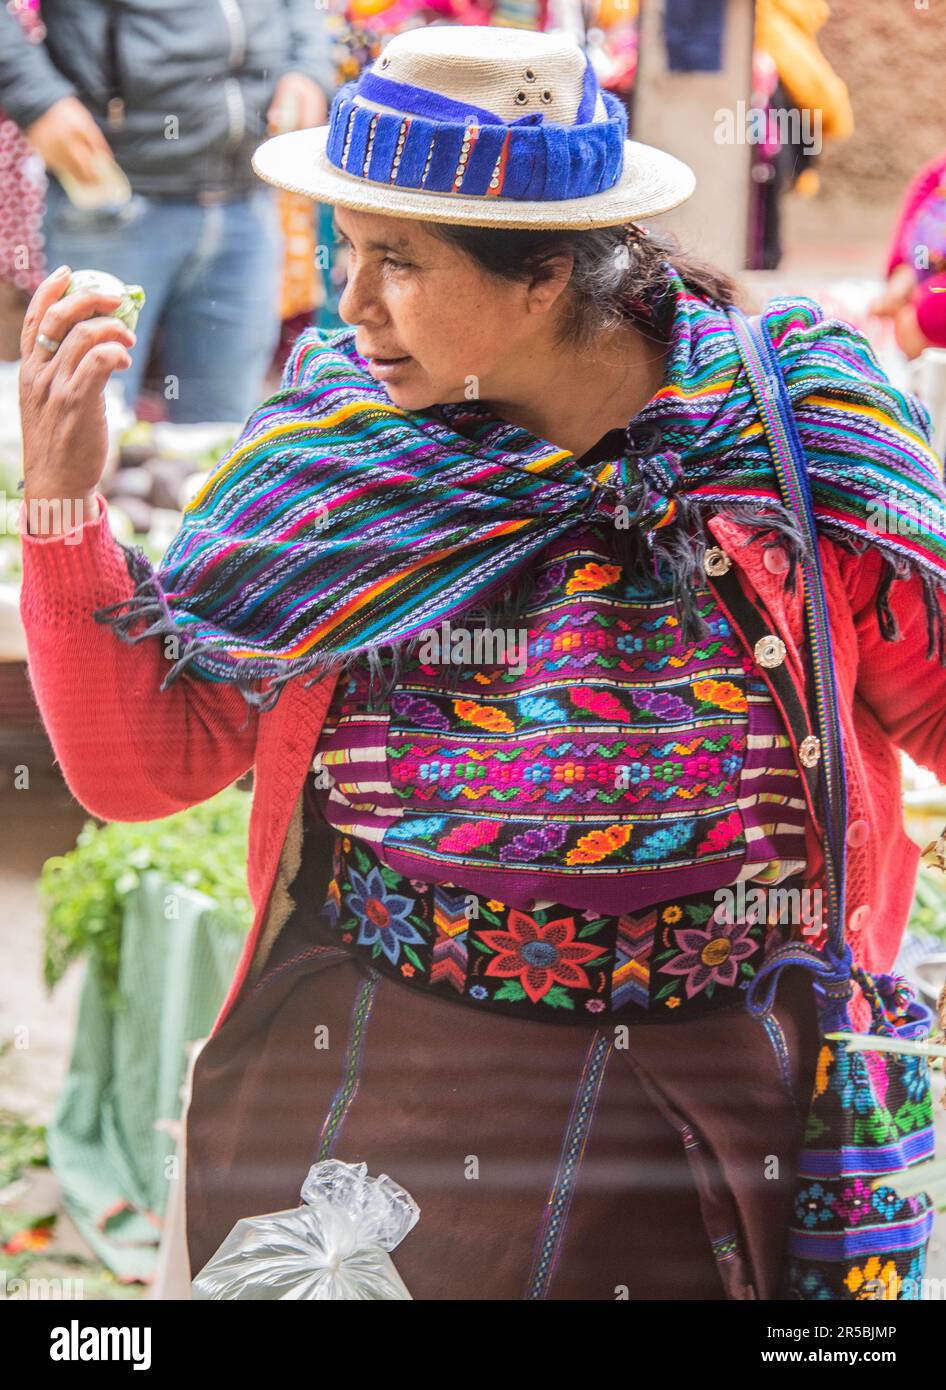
84,891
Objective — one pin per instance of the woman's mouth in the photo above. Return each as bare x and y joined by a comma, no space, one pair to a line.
385,367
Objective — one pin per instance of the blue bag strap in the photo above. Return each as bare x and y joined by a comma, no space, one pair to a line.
832,967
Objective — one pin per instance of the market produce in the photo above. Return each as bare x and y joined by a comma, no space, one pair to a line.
133,296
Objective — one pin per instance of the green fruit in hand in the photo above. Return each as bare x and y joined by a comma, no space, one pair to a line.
99,281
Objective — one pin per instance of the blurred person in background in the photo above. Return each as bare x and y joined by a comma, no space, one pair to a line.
146,116
805,103
915,294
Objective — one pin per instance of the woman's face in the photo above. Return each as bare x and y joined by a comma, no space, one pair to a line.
434,326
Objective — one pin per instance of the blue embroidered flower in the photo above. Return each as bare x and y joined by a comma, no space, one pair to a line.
382,915
915,1073
478,992
662,843
813,1205
887,1204
850,1079
540,708
415,829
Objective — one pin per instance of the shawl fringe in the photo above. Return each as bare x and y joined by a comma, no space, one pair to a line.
669,559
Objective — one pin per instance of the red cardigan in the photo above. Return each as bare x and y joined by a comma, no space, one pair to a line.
130,752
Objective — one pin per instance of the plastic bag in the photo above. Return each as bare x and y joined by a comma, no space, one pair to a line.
335,1246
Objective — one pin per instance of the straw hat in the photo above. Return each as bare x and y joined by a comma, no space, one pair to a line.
481,125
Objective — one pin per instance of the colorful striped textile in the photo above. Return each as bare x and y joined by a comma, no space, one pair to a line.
339,524
870,1117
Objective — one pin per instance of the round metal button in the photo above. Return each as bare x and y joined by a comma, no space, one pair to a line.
809,750
858,833
716,561
769,651
775,559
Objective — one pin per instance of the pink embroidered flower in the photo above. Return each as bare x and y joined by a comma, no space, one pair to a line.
469,835
713,954
856,1202
722,834
600,702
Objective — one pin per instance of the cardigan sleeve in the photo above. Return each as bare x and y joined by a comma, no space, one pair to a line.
904,688
128,750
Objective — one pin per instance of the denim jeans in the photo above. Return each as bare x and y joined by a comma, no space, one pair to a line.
212,274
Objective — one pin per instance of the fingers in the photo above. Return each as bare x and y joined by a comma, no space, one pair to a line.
92,374
91,151
45,294
95,137
64,314
78,159
87,336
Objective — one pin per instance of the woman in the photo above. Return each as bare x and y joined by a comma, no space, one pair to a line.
916,264
525,507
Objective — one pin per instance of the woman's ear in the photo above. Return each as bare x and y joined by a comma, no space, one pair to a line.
548,282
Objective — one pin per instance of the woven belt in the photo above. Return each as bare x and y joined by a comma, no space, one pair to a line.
674,961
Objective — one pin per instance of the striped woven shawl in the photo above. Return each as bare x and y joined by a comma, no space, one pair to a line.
339,525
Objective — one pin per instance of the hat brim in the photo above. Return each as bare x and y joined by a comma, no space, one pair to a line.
652,182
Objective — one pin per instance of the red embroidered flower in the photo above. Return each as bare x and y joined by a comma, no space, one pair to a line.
539,957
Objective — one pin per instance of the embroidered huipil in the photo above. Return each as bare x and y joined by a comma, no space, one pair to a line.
551,828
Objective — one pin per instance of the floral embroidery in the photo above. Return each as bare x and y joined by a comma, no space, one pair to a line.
598,844
722,693
856,1202
593,576
813,1205
722,835
382,915
711,955
469,835
576,964
887,1204
870,1273
539,956
600,702
484,716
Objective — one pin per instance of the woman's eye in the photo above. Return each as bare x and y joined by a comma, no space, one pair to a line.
395,265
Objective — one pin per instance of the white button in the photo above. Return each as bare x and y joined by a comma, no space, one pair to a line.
775,559
858,917
809,750
858,833
769,651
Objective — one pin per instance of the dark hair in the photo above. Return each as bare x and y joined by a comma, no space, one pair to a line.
616,271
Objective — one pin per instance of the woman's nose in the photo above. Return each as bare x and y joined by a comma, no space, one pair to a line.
357,304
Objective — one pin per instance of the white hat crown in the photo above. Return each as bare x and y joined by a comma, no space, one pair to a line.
512,72
479,125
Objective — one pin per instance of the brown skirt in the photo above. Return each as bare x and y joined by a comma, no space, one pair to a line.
654,1161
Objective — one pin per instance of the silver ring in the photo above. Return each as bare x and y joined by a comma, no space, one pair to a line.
50,344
